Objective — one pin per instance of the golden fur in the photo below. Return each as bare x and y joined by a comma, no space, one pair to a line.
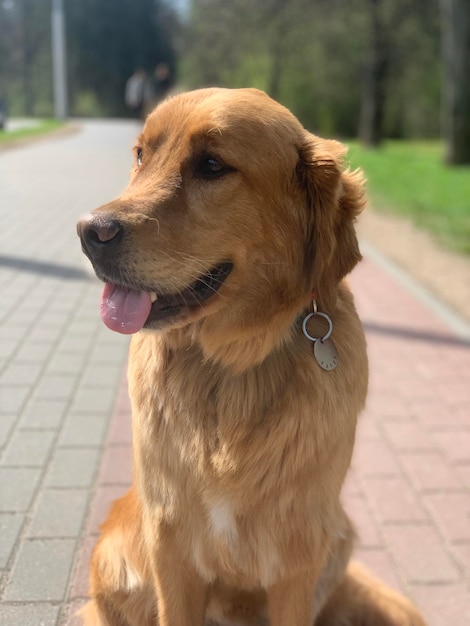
241,440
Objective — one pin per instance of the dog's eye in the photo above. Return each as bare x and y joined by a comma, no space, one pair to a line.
139,156
210,167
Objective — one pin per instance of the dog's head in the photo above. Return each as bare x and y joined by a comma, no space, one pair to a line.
233,216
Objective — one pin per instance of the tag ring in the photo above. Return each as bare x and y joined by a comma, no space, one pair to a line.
308,335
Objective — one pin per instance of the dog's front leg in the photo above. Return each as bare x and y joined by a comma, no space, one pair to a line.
290,602
181,592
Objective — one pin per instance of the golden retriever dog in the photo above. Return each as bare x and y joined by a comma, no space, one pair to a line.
232,239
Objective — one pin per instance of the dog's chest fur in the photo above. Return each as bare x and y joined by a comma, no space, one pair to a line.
236,462
246,434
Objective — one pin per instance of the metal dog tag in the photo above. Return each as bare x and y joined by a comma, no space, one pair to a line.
325,354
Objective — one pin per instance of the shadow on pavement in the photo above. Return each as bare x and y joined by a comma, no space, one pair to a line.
66,272
414,335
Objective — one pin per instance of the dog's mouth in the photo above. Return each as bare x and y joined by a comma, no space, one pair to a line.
126,310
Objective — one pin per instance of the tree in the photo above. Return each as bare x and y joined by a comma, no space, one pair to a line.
312,54
107,41
304,53
456,84
25,77
7,49
400,65
376,69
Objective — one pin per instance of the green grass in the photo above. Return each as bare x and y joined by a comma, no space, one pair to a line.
44,127
410,178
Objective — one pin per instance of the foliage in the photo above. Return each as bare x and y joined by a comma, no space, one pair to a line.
456,86
401,42
106,41
310,54
410,178
25,57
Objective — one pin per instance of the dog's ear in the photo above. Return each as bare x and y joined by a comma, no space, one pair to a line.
335,197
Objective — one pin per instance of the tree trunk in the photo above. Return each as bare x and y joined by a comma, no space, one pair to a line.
456,79
27,59
274,82
375,78
278,18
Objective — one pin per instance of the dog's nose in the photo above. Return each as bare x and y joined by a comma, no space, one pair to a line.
97,231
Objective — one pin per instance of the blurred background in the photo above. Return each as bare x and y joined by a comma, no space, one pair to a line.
373,68
365,70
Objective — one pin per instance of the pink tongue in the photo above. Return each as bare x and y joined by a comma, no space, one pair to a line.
124,310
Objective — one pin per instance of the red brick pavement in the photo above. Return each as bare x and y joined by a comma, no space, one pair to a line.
113,479
408,487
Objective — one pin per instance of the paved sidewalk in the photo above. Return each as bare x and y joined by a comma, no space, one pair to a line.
59,366
64,411
408,487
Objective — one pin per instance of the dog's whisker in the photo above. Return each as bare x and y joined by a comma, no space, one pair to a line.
203,264
190,257
154,219
209,285
274,263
